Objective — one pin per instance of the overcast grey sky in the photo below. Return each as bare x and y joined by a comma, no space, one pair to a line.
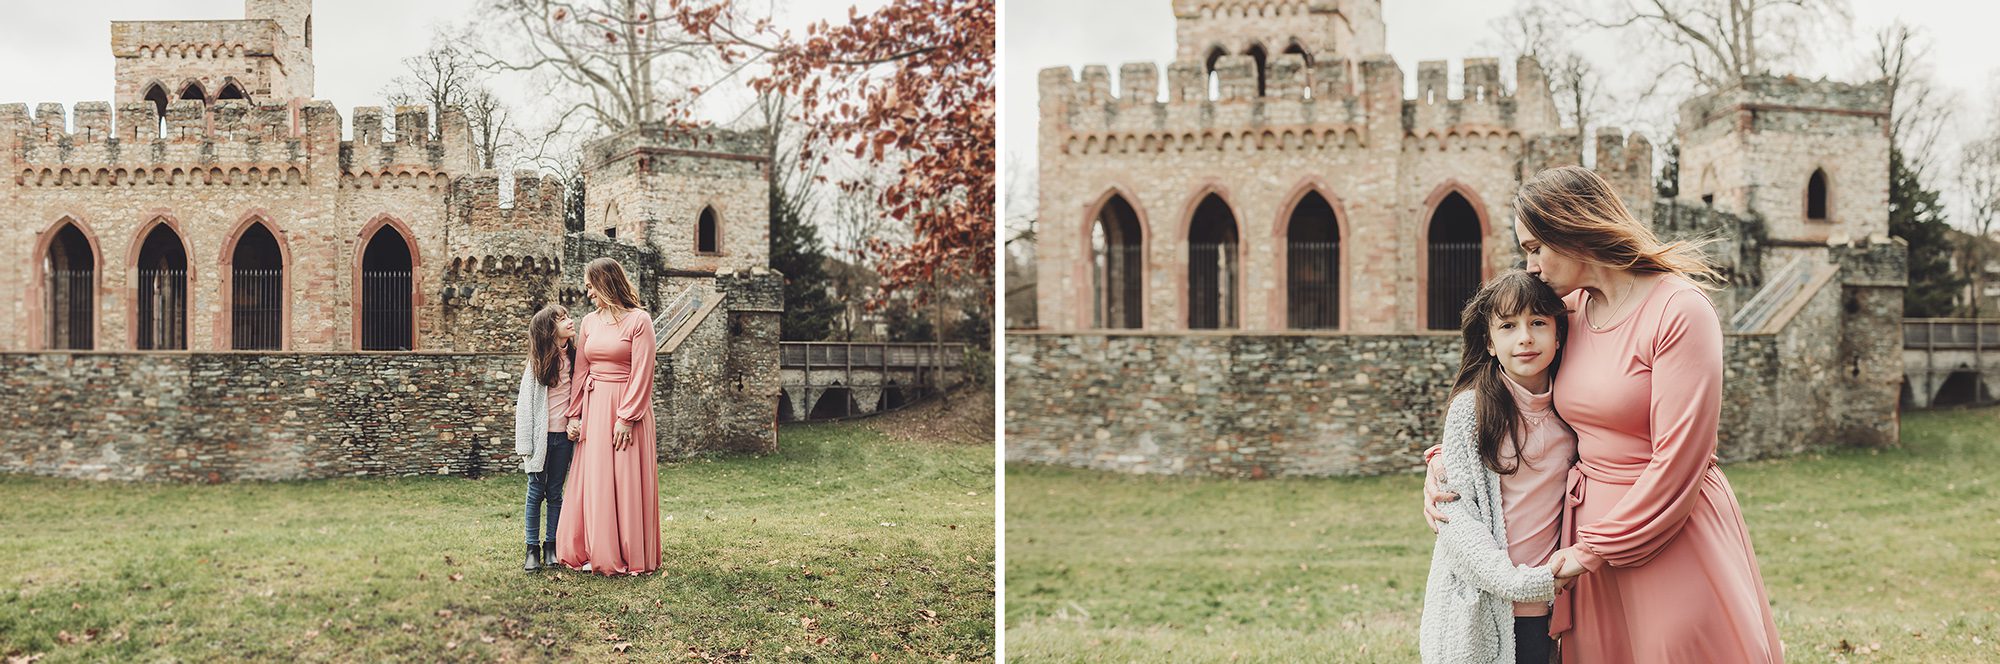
61,51
1045,33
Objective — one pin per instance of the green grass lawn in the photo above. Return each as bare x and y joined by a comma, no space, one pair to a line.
1869,556
842,546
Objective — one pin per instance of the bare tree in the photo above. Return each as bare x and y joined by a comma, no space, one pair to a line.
445,77
491,125
1918,110
1019,247
1538,30
629,62
1979,180
1717,43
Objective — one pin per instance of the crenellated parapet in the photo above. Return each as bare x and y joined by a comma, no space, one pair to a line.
230,142
1330,104
522,235
1758,101
662,139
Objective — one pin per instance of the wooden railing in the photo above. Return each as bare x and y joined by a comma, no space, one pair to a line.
1951,333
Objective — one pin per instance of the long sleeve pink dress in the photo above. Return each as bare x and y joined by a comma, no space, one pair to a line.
611,510
1672,576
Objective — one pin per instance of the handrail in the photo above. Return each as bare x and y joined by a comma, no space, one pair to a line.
1779,290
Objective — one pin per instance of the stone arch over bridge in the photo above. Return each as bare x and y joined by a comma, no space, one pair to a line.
837,380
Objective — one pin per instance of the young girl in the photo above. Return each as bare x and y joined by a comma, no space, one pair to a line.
1496,564
542,434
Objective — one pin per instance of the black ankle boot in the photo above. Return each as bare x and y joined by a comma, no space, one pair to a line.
534,559
549,554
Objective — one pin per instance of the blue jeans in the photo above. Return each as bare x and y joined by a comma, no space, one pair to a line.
548,486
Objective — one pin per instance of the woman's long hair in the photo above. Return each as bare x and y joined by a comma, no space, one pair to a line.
545,352
1499,418
613,287
1575,213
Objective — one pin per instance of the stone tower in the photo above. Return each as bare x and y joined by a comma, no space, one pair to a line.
1804,159
699,198
1344,29
264,57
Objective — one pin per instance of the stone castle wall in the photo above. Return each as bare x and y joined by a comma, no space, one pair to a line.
209,417
213,172
1384,162
1256,405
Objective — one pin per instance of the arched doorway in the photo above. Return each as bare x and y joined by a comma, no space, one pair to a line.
1453,261
1117,267
387,311
1213,266
256,291
1312,265
162,296
69,269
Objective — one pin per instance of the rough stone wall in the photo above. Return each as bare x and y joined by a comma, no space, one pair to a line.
1295,404
1382,161
256,416
718,391
652,187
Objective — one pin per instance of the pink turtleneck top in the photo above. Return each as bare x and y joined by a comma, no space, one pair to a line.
1531,498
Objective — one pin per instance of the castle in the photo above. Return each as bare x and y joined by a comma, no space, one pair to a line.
1285,190
211,219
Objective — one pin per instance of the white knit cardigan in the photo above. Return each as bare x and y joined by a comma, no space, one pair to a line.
531,421
1469,599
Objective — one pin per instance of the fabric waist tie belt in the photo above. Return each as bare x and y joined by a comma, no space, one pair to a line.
1574,488
591,379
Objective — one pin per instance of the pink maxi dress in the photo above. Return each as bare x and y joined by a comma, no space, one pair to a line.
1672,576
611,506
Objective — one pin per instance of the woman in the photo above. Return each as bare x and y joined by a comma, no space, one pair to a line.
1670,575
611,518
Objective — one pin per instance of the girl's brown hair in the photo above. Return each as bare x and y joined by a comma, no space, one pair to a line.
1499,419
545,351
613,288
1575,213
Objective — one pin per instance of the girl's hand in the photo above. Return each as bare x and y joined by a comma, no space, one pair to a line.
621,435
1435,493
575,430
1564,566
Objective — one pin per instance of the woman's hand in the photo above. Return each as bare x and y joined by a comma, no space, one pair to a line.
575,430
1435,493
621,435
1565,567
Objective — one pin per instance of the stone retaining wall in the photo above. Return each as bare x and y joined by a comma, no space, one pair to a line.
1296,404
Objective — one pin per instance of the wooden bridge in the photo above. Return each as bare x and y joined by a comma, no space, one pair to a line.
831,380
1950,361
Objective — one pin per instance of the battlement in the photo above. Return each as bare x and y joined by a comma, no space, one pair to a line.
1788,94
127,143
524,233
1880,260
662,138
1336,102
233,38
